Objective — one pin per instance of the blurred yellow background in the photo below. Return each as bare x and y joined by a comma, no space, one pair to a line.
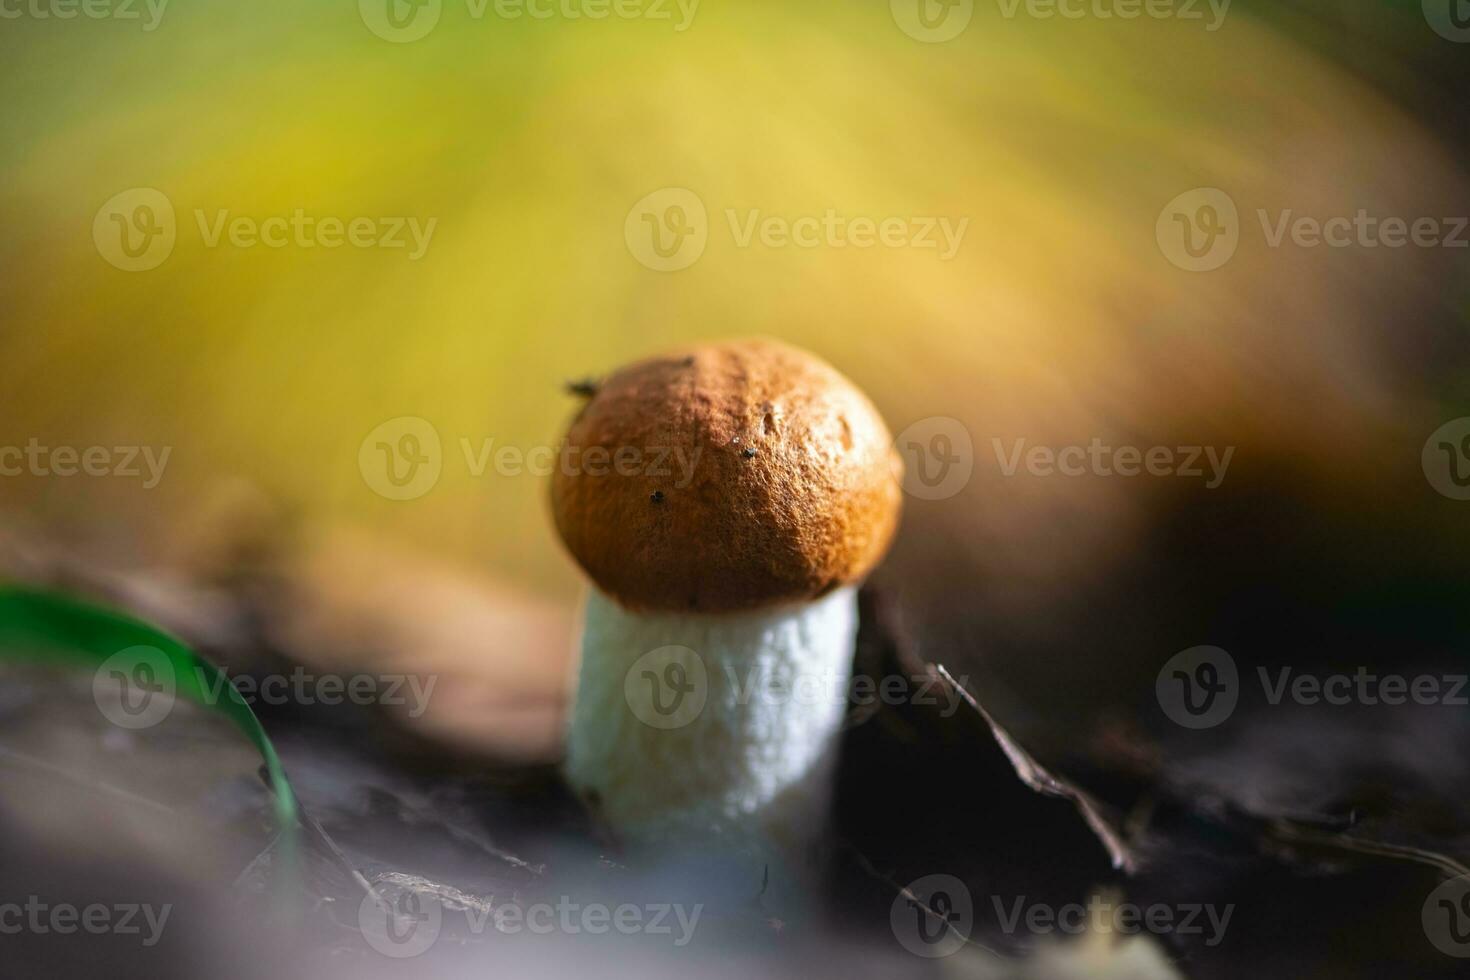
529,140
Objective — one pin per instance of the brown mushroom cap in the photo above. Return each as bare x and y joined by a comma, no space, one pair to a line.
726,477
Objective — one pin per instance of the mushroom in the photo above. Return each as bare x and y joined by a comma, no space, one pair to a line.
725,501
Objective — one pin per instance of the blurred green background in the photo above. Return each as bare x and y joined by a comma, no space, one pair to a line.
529,140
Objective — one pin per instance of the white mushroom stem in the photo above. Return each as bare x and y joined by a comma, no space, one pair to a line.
693,725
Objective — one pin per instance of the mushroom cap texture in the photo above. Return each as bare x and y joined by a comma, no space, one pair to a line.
726,477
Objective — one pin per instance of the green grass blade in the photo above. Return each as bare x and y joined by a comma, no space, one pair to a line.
43,627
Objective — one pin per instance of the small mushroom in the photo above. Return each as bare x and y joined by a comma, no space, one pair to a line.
734,600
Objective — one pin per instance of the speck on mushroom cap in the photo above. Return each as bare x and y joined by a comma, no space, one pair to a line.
751,474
